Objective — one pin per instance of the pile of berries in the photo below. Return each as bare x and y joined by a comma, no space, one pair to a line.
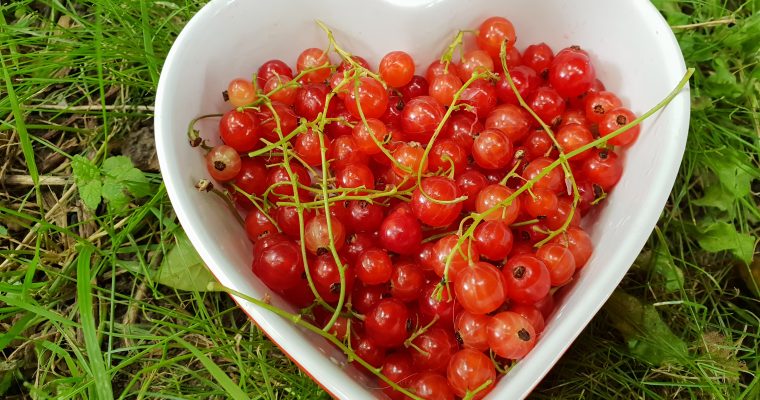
424,221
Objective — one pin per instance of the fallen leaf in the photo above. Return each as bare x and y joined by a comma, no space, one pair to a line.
722,236
649,339
182,268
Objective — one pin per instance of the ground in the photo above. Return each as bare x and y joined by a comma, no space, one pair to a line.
78,84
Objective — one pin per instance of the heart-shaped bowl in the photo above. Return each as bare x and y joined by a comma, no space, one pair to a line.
635,54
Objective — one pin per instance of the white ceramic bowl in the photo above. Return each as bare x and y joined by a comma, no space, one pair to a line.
635,55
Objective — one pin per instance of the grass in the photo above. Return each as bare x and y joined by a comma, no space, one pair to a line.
81,317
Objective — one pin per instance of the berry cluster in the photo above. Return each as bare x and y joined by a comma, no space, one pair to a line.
423,221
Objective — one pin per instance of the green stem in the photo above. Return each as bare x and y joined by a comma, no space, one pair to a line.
299,210
471,395
438,130
565,164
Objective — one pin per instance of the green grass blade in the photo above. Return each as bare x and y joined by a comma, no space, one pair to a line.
84,301
23,134
31,306
15,330
232,389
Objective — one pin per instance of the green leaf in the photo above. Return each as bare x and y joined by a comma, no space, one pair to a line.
716,196
664,266
729,168
722,82
115,193
722,236
120,169
90,193
117,165
747,39
183,269
87,177
84,170
137,183
3,231
649,339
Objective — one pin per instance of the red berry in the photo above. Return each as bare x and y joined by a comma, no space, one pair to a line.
223,163
279,88
466,254
311,99
510,335
278,264
239,130
481,95
474,62
447,154
492,149
579,243
257,225
315,59
539,58
401,233
364,133
526,81
436,346
616,119
528,279
493,198
469,370
548,104
272,68
463,127
417,86
396,68
421,117
443,87
572,73
317,234
604,168
559,261
399,369
480,288
374,267
471,329
437,68
431,386
428,206
574,136
494,239
387,323
241,92
307,147
597,105
511,120
470,183
492,32
369,96
364,216
407,281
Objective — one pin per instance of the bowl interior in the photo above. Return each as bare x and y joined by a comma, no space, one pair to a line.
635,55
